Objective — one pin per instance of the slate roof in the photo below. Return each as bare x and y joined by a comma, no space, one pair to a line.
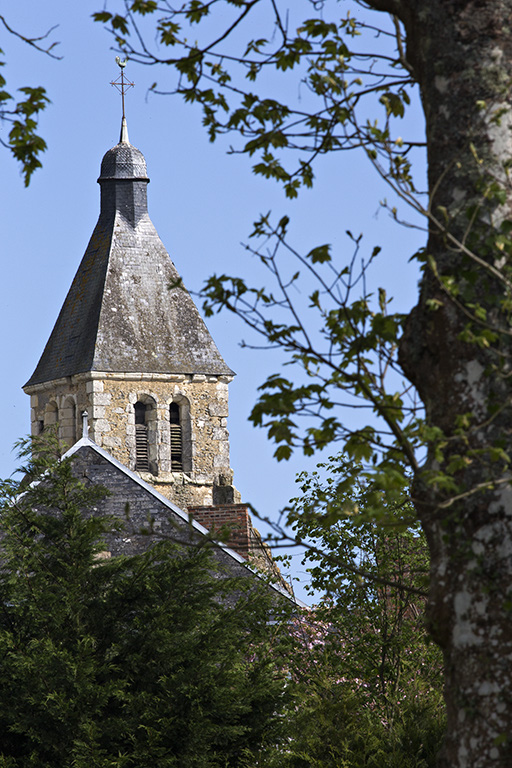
127,488
119,315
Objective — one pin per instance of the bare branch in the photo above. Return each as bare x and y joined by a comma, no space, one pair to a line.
34,42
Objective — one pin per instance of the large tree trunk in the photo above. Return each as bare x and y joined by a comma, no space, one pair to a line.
461,53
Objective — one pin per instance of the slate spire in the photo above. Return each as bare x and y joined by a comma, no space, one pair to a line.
120,314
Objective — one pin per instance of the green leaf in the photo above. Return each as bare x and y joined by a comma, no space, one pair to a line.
320,254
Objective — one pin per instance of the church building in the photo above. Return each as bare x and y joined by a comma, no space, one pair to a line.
131,369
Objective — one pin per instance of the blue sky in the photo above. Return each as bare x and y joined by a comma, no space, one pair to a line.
201,200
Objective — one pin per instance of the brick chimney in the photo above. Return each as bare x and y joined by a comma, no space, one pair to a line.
233,517
242,536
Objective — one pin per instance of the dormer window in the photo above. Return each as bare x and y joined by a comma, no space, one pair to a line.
141,438
176,438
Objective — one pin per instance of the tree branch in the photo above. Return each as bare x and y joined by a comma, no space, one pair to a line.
34,41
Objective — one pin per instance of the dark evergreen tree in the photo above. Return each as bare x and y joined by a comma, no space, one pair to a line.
152,660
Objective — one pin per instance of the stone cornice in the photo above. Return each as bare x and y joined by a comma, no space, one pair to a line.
31,389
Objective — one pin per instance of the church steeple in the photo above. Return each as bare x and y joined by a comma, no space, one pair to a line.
130,348
121,313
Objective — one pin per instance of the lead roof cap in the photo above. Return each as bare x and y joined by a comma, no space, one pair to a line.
124,161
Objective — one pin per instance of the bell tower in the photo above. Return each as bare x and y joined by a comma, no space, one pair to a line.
130,348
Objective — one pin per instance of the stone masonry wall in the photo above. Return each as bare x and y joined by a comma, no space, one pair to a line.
140,511
109,400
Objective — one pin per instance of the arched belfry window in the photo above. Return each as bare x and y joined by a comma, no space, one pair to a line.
176,438
141,438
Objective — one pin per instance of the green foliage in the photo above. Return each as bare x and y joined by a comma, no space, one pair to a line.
342,349
342,341
369,681
355,85
321,54
157,659
332,729
24,142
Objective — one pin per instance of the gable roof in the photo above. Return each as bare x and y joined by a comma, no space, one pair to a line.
171,511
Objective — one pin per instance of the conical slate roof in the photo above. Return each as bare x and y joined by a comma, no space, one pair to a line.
120,315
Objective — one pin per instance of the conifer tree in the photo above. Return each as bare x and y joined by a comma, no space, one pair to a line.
156,659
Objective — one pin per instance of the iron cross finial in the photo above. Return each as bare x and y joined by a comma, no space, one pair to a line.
122,83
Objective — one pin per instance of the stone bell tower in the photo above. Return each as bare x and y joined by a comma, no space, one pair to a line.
130,348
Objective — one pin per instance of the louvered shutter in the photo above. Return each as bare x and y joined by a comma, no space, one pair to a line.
141,448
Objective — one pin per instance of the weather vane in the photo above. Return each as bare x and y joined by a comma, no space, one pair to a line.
122,83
